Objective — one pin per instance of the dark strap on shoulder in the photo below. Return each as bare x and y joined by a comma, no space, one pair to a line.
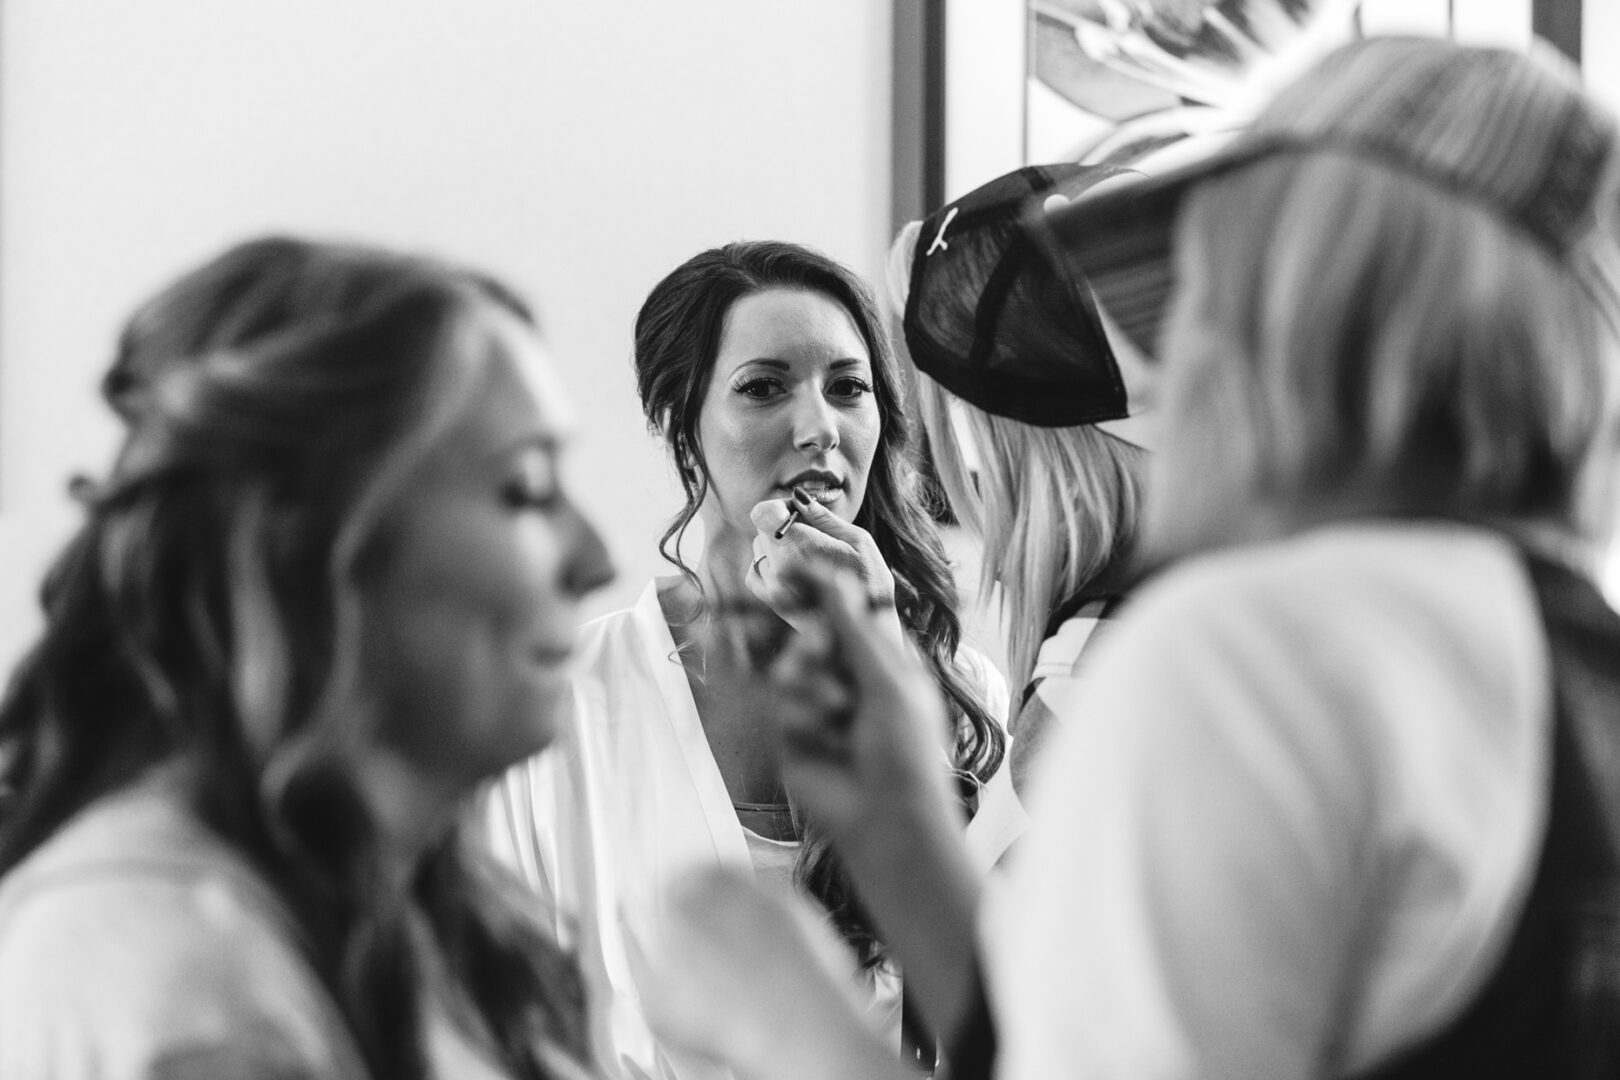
1551,1011
1064,612
1071,607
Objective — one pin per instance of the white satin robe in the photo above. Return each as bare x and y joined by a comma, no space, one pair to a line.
625,801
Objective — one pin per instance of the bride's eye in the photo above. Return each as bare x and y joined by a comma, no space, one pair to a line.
758,389
850,387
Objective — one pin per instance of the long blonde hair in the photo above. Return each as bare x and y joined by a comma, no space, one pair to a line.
1348,340
1055,509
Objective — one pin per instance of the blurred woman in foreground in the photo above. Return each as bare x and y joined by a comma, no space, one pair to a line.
329,585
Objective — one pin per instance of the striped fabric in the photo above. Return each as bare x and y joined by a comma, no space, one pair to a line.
1513,132
1059,655
1482,122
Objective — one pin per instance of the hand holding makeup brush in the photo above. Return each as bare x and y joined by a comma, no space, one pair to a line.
861,720
865,755
793,531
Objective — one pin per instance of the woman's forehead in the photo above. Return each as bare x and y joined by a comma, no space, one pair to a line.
524,363
788,324
517,397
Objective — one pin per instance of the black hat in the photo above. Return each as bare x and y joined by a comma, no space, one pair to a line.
992,319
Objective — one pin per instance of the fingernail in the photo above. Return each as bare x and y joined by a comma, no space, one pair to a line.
801,496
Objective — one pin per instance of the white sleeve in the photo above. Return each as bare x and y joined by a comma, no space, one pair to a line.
1185,895
516,810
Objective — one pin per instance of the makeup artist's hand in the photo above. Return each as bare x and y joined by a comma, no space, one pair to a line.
863,724
816,535
864,755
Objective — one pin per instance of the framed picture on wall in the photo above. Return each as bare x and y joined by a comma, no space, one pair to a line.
1102,87
984,86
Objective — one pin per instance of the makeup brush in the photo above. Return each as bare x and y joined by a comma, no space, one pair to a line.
803,498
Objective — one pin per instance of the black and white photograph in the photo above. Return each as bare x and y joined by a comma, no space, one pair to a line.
771,540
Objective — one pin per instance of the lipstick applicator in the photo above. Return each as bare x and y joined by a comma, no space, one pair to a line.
800,496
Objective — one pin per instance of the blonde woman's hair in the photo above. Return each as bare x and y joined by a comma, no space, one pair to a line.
1347,340
1055,509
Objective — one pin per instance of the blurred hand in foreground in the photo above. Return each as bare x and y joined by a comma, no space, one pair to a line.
862,721
864,756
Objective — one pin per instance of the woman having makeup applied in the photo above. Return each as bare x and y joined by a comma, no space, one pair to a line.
765,368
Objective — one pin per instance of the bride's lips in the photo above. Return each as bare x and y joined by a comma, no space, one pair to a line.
820,495
823,487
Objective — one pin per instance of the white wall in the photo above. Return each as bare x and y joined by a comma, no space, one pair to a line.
579,149
1600,45
986,65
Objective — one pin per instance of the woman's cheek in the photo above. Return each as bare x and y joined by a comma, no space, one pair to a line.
862,441
746,456
860,450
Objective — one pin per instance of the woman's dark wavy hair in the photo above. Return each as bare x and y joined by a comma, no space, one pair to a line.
677,339
206,615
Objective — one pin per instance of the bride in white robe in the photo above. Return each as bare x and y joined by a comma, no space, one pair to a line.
766,369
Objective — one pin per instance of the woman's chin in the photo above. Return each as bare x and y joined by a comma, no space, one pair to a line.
538,717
